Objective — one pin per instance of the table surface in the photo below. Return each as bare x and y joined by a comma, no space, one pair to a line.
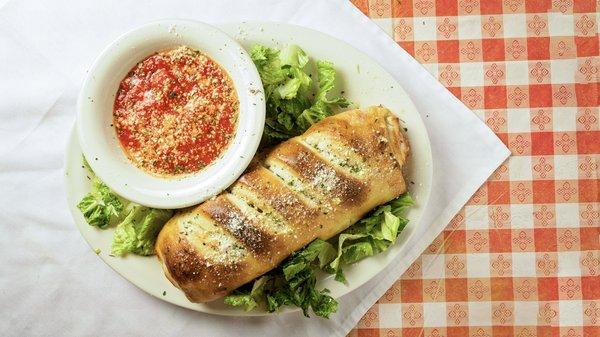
522,258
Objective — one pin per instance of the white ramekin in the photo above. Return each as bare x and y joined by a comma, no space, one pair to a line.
98,137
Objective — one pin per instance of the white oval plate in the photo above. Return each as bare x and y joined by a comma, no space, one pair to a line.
364,82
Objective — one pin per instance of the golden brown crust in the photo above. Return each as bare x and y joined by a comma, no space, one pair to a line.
193,274
242,227
320,174
276,195
312,186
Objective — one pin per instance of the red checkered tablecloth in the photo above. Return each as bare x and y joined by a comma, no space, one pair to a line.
522,258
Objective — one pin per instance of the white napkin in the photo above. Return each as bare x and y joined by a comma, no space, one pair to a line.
51,283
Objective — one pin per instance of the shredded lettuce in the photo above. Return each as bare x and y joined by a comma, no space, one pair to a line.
371,235
294,56
101,206
137,225
322,106
248,299
138,231
293,283
268,64
291,106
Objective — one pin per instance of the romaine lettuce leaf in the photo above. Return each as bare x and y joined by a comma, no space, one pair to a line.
249,298
101,206
137,227
322,106
268,64
292,283
326,74
372,235
291,105
289,88
294,56
241,300
138,231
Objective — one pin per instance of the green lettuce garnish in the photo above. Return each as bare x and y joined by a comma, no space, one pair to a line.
371,235
137,225
248,299
294,281
138,231
291,106
101,206
322,106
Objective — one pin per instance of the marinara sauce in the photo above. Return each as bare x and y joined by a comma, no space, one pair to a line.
175,112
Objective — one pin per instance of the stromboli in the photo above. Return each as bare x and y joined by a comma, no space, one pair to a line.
311,186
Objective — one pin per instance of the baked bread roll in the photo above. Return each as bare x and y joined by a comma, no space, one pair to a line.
311,186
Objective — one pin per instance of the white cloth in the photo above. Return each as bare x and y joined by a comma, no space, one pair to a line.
51,283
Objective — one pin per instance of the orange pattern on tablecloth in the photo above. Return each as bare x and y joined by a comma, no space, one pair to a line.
522,258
